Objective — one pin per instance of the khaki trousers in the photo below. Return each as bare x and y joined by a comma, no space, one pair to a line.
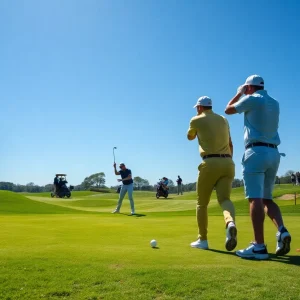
214,173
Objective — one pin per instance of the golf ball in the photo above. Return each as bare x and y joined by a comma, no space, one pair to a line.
153,243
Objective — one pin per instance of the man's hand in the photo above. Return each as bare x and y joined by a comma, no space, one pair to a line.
241,90
119,180
230,109
115,165
191,137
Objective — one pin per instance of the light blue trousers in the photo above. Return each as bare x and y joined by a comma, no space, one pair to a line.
124,189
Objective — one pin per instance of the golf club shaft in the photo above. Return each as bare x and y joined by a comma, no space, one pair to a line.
114,154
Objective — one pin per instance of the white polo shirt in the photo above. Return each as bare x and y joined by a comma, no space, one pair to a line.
261,118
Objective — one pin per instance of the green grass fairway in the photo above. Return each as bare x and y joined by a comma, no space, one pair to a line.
76,249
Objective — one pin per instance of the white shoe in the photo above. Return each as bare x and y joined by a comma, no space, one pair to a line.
132,213
231,234
253,252
115,212
283,242
200,244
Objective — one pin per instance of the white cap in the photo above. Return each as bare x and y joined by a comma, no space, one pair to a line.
255,80
203,101
121,164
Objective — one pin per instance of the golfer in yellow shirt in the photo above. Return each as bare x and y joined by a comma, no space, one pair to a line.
216,170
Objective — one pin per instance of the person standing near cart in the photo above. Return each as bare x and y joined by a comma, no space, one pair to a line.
179,185
55,184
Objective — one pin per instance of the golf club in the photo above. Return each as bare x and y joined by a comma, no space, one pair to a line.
114,154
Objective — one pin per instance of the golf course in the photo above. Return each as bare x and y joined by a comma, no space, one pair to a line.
54,248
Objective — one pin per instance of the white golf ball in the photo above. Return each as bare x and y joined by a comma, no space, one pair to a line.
153,243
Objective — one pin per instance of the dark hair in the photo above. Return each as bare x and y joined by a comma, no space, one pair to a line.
207,107
257,87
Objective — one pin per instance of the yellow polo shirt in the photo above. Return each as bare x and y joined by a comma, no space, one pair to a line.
212,131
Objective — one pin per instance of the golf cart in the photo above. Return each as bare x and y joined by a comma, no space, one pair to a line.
62,190
161,191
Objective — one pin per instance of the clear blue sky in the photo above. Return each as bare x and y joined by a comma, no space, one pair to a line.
80,77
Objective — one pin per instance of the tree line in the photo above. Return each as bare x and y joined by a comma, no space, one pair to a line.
97,182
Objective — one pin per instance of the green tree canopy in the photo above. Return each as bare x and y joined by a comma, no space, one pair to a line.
289,173
139,182
171,183
94,180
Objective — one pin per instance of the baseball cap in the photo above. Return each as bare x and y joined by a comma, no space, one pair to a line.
121,164
203,101
255,80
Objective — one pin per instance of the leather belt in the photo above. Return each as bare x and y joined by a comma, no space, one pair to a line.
261,144
216,155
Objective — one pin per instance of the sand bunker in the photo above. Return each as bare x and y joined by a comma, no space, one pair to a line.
286,197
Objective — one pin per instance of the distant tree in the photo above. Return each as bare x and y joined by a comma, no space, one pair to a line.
48,188
29,187
87,183
17,188
190,187
98,179
78,187
237,183
285,179
139,182
7,186
171,183
289,173
148,188
95,180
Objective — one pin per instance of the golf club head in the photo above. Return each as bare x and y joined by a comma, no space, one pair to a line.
114,154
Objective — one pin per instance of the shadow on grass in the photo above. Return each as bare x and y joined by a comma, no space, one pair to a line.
222,252
130,215
287,259
136,215
119,213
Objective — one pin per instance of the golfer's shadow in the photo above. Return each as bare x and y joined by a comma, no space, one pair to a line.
221,251
286,259
137,215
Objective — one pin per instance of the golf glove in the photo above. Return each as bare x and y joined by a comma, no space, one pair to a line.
241,89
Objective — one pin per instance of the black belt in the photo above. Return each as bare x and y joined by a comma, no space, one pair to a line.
261,144
216,155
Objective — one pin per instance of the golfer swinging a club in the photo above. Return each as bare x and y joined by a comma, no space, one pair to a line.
126,187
